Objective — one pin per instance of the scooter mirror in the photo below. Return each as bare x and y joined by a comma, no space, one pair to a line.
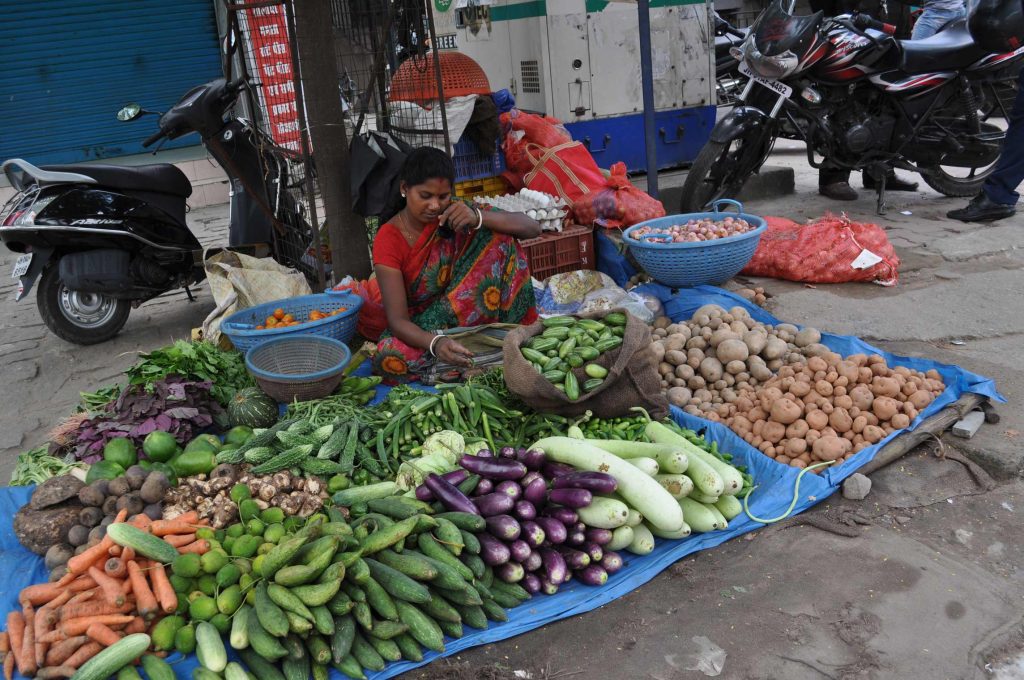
129,112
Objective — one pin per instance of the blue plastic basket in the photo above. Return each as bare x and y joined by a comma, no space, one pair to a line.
240,327
684,265
471,163
298,367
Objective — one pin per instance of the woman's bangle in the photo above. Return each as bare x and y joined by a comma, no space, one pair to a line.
433,341
480,218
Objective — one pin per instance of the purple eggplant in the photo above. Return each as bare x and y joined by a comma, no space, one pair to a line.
612,561
594,550
536,491
483,487
493,551
573,498
503,527
599,536
568,576
598,482
533,562
548,588
493,504
455,477
525,510
551,469
574,559
564,515
594,575
507,452
484,453
531,583
578,526
553,529
555,567
529,477
533,533
520,550
449,495
510,572
498,469
532,459
510,488
576,538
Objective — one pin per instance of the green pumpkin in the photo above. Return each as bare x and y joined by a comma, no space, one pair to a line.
253,408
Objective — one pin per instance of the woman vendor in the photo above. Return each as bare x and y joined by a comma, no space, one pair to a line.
442,264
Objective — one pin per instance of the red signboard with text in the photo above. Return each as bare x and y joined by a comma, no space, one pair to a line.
266,30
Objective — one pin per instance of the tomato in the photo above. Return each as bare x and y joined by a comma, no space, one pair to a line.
279,314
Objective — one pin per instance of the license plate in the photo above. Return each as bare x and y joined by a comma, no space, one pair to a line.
773,85
21,265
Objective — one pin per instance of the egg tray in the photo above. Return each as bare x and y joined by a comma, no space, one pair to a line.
547,210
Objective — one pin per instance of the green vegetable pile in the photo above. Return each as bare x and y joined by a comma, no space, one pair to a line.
568,343
37,465
201,361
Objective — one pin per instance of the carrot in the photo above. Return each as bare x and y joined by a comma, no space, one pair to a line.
80,563
163,589
102,634
16,632
137,625
141,521
115,568
200,547
5,643
115,550
128,554
48,613
83,654
93,608
164,527
41,593
79,625
178,540
190,517
111,587
28,641
9,666
144,597
80,584
62,651
54,672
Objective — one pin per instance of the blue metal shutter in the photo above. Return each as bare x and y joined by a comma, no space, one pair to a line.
67,66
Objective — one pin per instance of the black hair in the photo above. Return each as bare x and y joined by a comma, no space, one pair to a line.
426,163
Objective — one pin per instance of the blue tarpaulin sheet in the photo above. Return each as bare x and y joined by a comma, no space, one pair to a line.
775,486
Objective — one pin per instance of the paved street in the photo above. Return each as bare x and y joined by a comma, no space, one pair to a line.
931,589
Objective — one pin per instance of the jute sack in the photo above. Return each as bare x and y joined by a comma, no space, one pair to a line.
632,378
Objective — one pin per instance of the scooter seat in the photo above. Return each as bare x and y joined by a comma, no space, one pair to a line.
161,178
950,49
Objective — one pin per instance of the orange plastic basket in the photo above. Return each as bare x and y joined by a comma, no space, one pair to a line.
414,81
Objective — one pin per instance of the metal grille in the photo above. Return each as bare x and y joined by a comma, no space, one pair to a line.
529,74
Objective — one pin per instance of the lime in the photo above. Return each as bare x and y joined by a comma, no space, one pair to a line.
213,440
103,469
120,450
238,435
187,565
236,530
203,608
180,583
214,560
201,443
159,446
207,533
208,584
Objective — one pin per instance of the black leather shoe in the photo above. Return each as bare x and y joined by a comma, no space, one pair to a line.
892,182
982,209
838,191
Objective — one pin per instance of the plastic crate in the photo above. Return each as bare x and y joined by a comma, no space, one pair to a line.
240,327
486,186
471,163
683,265
559,252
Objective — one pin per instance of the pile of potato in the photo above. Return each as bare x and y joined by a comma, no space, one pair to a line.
782,390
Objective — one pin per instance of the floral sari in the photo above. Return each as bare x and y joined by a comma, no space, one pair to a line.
456,280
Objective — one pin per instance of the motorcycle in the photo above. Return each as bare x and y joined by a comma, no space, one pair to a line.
728,81
860,99
102,239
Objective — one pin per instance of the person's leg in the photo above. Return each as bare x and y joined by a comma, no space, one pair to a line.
934,19
834,183
998,198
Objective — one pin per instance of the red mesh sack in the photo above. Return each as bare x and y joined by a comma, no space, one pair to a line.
372,319
618,204
567,170
829,250
524,129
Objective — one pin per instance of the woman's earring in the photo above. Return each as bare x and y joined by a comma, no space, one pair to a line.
403,195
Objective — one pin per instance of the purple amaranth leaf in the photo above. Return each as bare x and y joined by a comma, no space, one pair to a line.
145,427
164,421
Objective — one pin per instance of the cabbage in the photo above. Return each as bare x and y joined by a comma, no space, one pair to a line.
441,452
477,447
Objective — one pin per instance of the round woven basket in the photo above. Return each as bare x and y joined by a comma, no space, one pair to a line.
414,81
298,368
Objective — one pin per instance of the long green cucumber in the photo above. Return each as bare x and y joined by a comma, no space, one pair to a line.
732,480
700,516
670,458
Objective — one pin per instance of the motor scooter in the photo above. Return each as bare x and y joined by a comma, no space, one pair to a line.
102,239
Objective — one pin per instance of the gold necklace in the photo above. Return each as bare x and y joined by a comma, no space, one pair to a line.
405,229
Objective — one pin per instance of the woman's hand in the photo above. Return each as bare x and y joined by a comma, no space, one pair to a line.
459,217
452,352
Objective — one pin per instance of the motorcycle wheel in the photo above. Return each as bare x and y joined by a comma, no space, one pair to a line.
720,170
79,318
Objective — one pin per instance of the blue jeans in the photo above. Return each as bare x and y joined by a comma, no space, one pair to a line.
934,19
1001,185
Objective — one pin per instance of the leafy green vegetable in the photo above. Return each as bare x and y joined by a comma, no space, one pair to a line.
37,465
201,361
94,402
